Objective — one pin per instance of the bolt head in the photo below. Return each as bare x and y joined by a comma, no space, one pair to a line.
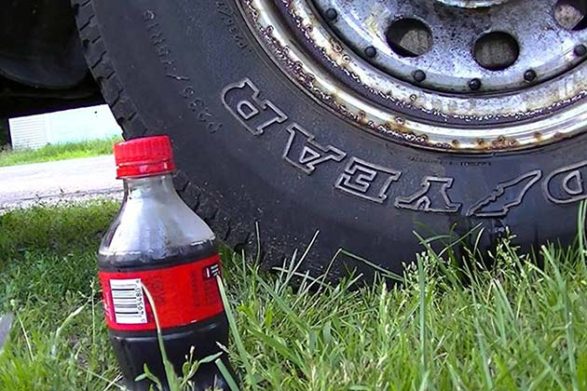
331,14
370,51
475,84
530,75
580,50
419,75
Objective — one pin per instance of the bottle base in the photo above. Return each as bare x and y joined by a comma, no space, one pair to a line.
135,350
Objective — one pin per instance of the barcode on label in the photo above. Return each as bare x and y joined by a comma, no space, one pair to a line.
128,301
211,271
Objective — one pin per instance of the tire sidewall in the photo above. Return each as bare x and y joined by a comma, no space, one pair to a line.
187,65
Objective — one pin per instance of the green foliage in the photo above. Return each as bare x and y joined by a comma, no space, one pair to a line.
56,231
452,324
58,152
47,279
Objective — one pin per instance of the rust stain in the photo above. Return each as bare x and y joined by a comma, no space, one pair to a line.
397,127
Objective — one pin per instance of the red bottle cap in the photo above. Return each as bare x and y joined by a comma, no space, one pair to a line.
144,157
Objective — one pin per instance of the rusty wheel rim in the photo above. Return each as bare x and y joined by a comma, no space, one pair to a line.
498,91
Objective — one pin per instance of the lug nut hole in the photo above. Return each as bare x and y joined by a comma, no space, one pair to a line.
409,37
571,14
496,51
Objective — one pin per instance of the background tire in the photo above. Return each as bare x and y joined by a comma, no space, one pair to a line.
179,67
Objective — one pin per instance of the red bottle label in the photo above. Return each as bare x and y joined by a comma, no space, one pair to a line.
181,294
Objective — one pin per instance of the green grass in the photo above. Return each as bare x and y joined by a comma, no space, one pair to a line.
58,152
511,326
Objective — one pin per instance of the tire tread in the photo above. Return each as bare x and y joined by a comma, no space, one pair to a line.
104,71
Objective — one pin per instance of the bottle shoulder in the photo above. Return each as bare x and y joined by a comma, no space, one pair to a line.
155,229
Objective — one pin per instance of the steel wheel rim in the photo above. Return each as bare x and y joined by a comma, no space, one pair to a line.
300,37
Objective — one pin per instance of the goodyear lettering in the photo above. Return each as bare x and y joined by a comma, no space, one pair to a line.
567,185
304,153
506,196
367,180
432,197
243,102
373,182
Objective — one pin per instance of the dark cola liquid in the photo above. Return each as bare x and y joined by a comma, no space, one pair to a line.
135,349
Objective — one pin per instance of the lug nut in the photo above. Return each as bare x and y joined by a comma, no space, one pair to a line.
530,75
419,75
331,14
475,84
580,50
370,51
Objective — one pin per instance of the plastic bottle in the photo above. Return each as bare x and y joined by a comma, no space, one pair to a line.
159,243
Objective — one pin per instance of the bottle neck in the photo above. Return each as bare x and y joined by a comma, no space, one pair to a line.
151,186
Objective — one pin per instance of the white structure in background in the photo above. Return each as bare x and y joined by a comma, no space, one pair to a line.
88,123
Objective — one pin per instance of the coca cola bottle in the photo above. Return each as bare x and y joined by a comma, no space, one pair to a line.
158,244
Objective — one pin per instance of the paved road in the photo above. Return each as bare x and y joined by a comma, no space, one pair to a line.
66,179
